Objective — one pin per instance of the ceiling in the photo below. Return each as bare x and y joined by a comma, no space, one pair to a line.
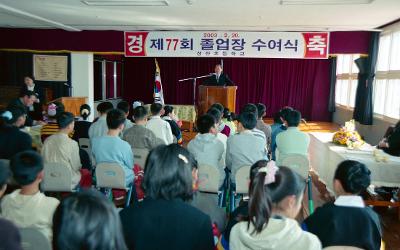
257,15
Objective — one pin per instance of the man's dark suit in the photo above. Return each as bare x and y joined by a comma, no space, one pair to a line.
37,106
223,80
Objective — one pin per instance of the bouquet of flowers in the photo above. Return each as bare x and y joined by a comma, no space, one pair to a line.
348,136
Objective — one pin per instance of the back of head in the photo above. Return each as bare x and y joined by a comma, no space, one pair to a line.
168,173
284,112
104,107
54,109
266,195
218,106
205,123
260,110
85,111
10,116
227,114
139,113
293,118
248,120
65,119
124,106
156,108
25,167
354,176
115,118
87,220
250,107
215,113
168,109
28,93
277,118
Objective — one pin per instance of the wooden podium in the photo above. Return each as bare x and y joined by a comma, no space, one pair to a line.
72,104
209,95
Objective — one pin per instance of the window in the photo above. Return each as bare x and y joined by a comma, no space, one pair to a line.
387,80
346,80
107,79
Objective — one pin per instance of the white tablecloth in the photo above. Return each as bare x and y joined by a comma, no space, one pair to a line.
325,156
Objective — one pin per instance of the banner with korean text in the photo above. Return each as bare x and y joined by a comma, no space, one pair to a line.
310,45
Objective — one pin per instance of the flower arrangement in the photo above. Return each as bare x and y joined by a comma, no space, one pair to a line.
348,136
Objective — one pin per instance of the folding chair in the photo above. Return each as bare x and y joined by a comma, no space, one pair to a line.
84,143
209,182
301,165
57,178
33,239
112,175
140,155
241,186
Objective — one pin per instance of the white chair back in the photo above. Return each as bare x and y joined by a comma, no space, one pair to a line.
208,179
110,175
342,248
57,177
242,180
298,163
33,239
140,155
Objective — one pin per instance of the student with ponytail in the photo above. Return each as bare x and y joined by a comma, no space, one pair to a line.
347,222
275,200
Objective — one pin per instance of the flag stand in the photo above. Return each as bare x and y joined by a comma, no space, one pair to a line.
194,84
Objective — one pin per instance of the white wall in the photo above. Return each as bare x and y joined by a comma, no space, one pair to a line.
371,133
82,78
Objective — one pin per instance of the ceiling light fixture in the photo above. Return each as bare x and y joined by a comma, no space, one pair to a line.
324,2
125,3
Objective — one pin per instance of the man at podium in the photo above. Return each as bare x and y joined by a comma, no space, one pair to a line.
218,78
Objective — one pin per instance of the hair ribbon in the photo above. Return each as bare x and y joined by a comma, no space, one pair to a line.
270,172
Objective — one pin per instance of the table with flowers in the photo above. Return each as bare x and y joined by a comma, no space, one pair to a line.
325,155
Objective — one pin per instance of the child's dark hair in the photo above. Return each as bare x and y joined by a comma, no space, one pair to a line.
218,106
64,119
250,107
168,173
104,107
262,197
168,109
354,176
139,113
156,108
227,114
124,106
248,120
215,113
25,167
205,123
85,114
261,108
115,118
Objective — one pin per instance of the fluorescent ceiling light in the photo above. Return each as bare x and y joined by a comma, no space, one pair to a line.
324,2
126,3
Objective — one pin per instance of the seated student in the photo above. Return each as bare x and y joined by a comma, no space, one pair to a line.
244,148
347,222
292,141
139,136
9,234
275,201
82,125
12,139
111,148
124,107
25,101
169,116
391,141
261,124
28,207
217,117
51,128
278,127
59,148
160,128
99,126
206,148
228,118
242,211
250,107
222,127
164,219
87,220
